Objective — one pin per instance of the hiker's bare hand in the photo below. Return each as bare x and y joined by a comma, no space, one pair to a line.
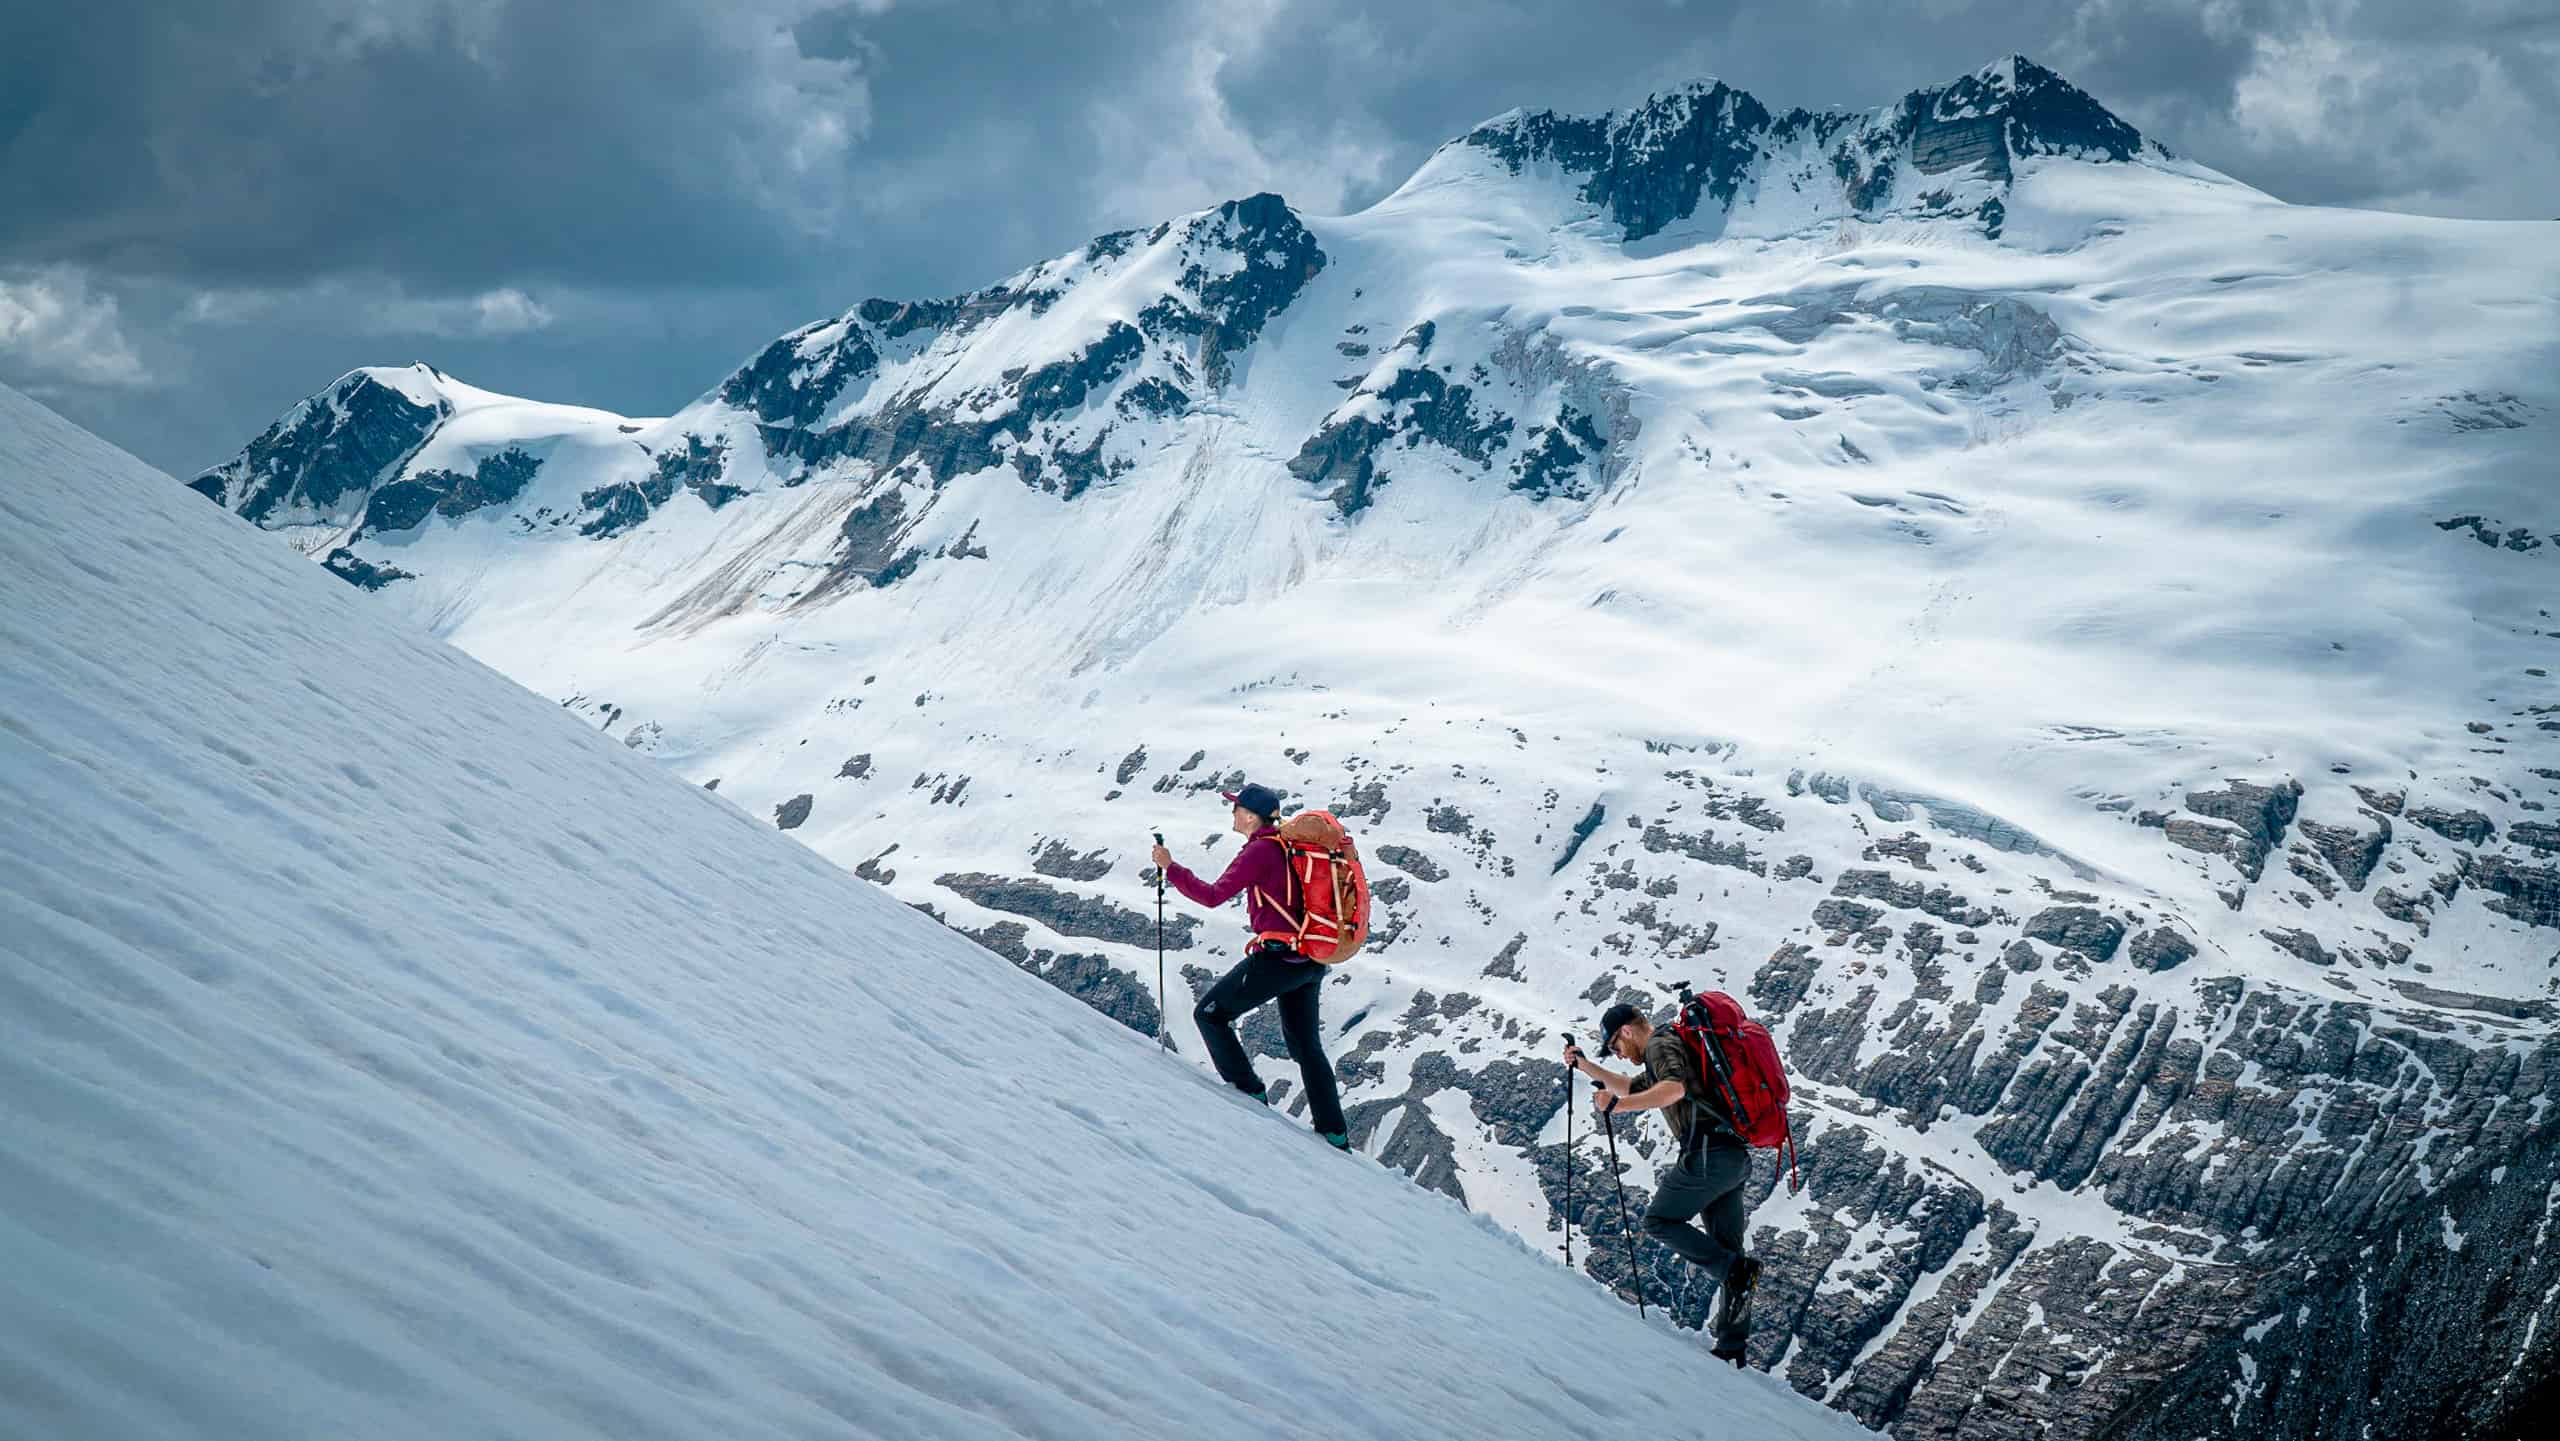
1573,1055
1605,1102
1161,857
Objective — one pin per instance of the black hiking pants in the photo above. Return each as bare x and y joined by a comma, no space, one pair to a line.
1707,1186
1272,975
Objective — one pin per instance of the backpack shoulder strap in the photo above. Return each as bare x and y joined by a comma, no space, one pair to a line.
1288,871
1292,903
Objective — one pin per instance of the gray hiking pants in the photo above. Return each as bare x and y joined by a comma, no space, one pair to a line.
1707,1186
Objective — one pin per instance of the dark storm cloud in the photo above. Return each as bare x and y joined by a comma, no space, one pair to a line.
446,141
210,207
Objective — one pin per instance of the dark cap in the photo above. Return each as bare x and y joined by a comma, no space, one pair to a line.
1615,1017
1262,800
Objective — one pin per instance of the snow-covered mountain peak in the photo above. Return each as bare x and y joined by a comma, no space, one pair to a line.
338,441
1695,155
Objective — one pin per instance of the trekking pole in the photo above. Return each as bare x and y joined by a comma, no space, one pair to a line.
1609,1120
1568,1167
1164,1031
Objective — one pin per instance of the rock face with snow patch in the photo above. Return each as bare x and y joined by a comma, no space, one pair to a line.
1660,163
2429,1327
338,444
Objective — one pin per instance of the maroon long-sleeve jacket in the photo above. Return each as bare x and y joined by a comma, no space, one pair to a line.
1259,872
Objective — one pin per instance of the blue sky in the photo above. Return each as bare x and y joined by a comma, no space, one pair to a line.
210,209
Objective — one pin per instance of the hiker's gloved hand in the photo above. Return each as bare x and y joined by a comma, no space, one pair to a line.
1161,857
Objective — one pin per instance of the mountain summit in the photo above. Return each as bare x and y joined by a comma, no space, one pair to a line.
1949,148
2060,633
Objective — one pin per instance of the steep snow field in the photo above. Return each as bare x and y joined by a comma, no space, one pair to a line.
383,1053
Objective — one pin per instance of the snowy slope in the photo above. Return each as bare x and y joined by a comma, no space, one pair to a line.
2062,633
384,1054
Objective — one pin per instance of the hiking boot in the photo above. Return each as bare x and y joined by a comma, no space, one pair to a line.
1733,1301
1727,1351
1339,1140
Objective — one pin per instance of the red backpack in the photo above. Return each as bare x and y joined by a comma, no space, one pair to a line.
1328,900
1738,1058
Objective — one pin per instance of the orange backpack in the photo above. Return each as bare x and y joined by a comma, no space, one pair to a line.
1328,890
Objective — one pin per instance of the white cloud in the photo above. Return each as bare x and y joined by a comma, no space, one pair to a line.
508,311
1175,149
2442,126
377,307
53,328
2439,110
505,311
230,307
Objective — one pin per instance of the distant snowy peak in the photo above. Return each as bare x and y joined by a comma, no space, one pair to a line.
1068,374
1062,376
1653,166
384,448
326,454
953,386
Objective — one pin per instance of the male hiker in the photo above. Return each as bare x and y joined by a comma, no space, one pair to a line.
1705,1182
1270,971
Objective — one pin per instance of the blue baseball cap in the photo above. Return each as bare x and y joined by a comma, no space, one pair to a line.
1262,800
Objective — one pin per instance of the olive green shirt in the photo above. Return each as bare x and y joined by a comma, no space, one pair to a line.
1666,1058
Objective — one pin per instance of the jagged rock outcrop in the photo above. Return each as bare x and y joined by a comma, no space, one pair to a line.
1412,862
355,570
2438,1323
1406,400
2160,948
2245,822
2351,853
2466,826
404,504
1067,912
1936,900
2529,893
336,445
1059,861
692,464
1697,147
828,396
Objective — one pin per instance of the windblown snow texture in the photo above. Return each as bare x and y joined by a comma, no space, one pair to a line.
2066,637
384,1054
